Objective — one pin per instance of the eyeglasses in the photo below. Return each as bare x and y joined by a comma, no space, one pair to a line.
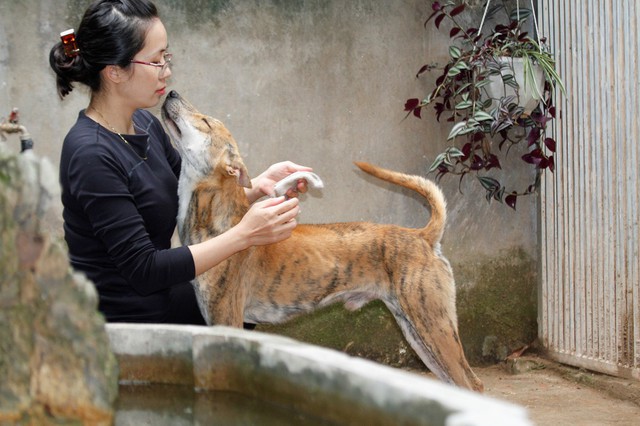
162,66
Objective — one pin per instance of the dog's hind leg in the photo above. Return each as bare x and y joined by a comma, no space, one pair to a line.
434,337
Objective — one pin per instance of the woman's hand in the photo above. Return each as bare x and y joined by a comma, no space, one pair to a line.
269,221
264,183
266,222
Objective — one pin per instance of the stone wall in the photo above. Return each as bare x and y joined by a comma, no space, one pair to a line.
55,357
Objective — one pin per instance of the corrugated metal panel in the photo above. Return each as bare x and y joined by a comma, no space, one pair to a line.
589,310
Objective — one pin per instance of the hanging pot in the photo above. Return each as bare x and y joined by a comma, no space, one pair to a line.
529,93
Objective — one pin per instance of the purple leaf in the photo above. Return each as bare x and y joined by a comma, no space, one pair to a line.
423,69
430,18
466,151
543,164
528,158
533,136
510,200
492,162
550,144
478,136
411,104
457,10
477,163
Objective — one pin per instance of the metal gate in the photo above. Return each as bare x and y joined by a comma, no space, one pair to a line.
589,307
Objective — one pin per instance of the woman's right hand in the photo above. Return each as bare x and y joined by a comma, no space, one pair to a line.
266,222
269,221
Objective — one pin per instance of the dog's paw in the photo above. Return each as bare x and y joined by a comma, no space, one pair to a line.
291,182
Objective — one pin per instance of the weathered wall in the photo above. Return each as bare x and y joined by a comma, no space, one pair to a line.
319,82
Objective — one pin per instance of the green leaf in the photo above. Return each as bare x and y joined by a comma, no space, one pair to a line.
483,83
524,14
467,130
436,163
487,103
464,105
489,183
462,89
513,83
452,152
455,130
455,52
445,158
482,116
488,196
453,72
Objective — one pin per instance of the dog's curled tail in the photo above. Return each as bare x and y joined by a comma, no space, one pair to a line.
435,228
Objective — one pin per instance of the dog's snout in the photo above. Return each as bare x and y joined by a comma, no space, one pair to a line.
171,104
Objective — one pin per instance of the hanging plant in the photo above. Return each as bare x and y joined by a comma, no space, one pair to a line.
497,91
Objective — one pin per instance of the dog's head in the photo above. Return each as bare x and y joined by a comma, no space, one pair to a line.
206,146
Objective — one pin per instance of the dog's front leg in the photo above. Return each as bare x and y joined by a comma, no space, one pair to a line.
226,309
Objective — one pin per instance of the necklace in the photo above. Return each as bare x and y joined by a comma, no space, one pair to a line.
116,132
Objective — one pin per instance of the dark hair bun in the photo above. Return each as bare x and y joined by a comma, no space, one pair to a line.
111,33
66,69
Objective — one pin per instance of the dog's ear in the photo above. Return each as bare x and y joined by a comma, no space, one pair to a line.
240,172
234,166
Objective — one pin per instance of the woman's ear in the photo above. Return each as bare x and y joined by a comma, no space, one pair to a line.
113,73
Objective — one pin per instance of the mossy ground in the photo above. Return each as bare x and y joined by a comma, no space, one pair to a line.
370,332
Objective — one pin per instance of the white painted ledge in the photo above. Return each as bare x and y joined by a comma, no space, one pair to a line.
307,377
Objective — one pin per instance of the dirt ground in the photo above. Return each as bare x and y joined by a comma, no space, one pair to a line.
555,394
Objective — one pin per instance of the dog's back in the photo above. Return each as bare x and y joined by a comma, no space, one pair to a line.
433,231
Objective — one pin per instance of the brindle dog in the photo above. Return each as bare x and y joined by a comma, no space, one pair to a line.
319,264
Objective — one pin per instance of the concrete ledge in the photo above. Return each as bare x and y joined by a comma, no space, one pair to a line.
319,381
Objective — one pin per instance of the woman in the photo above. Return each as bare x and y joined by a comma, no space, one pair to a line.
119,173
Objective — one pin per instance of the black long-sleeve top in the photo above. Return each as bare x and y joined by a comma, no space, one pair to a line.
120,213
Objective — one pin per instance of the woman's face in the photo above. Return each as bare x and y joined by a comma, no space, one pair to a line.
147,83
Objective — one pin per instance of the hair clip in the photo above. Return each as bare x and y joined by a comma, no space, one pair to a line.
69,43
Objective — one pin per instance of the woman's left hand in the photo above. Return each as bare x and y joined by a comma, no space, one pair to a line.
264,183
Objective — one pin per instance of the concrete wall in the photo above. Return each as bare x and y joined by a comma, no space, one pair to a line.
322,83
